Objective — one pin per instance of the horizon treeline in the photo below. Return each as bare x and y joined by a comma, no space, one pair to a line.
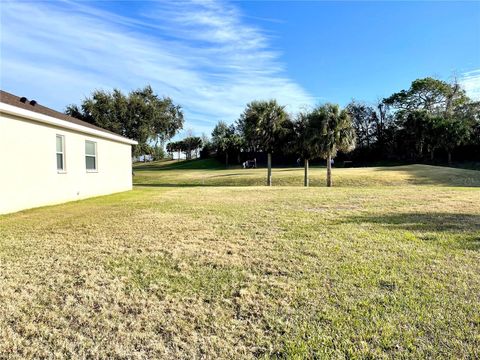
432,121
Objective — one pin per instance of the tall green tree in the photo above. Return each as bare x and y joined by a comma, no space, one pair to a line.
365,122
190,145
431,95
141,115
454,132
470,113
331,131
432,114
433,134
301,144
417,127
264,125
170,149
225,140
176,146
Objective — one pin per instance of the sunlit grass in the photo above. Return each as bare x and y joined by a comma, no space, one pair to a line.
200,173
387,270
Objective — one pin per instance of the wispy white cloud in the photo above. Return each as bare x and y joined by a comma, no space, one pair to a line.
204,55
471,83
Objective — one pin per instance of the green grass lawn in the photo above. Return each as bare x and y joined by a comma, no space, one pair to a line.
385,265
211,173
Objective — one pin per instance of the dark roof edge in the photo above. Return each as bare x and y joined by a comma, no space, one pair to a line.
13,100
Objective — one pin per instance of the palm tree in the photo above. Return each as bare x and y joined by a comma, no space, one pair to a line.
265,122
302,145
169,150
225,139
330,130
220,139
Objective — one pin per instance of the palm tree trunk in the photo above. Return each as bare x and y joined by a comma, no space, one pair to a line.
329,170
269,171
449,158
305,180
226,160
432,155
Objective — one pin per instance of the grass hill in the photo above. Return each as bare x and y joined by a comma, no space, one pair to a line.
210,172
385,265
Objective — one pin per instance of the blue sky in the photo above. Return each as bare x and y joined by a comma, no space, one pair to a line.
213,57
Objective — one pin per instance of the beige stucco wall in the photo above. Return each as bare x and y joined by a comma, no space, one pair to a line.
28,170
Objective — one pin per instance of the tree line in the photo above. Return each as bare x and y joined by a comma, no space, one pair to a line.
411,125
189,146
429,120
416,124
265,126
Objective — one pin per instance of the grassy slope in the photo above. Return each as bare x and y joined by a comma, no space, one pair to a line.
231,272
210,173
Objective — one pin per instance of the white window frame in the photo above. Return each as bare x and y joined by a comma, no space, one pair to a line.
94,156
64,170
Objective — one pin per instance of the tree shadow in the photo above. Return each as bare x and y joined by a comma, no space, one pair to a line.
467,226
442,222
226,175
195,164
169,185
437,175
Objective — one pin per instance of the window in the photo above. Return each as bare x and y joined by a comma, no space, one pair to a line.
60,153
91,155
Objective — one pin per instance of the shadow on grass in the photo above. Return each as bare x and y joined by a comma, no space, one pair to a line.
423,221
438,175
196,164
467,226
167,185
227,175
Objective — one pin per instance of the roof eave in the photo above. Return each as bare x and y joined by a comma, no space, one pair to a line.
41,118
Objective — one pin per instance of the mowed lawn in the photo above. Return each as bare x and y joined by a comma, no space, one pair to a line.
385,265
212,173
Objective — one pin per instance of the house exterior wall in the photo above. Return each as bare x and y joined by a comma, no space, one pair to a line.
28,172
